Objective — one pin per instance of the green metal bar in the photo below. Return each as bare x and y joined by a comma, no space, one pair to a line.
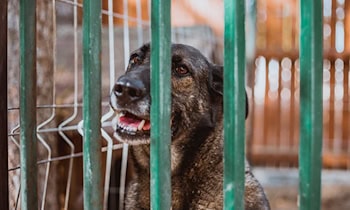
234,102
4,187
310,149
29,199
160,108
93,192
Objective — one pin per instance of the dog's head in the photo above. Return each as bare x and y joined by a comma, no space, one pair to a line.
196,92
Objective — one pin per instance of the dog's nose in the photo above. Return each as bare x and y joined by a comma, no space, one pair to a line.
128,90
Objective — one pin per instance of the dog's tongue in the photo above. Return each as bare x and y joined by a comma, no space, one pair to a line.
133,121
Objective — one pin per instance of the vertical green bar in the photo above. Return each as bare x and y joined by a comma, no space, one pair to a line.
161,101
310,149
92,104
234,104
29,199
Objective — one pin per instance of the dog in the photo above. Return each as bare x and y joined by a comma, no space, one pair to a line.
196,131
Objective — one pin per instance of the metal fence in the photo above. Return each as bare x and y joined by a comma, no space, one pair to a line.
94,125
274,84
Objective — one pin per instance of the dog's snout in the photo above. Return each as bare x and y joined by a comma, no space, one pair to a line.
127,90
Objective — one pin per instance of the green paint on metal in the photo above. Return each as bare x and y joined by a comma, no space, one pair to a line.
234,102
28,137
92,105
310,149
161,101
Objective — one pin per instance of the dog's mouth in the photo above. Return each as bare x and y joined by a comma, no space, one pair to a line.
132,129
135,130
132,124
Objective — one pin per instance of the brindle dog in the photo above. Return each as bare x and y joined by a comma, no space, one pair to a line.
197,131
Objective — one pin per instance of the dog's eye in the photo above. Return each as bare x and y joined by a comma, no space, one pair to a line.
135,60
181,70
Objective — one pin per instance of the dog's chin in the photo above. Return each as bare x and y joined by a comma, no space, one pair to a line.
132,139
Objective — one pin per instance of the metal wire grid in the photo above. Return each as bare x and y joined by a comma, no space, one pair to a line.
69,123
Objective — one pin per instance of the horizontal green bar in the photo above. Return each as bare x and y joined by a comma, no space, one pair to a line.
311,69
234,102
160,107
92,105
29,199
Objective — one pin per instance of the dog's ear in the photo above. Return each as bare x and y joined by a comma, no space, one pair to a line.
216,85
216,80
146,47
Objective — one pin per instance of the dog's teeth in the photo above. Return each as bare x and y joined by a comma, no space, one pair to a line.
142,123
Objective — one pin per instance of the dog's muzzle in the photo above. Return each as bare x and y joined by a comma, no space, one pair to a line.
132,125
127,90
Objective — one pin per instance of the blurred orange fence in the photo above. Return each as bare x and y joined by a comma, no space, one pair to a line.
275,91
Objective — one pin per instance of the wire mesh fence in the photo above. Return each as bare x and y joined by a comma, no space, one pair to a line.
273,136
59,128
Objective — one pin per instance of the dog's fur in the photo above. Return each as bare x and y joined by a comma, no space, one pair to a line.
197,132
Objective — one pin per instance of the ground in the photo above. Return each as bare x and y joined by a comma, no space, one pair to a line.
281,187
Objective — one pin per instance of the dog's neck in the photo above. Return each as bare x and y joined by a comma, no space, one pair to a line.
194,148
